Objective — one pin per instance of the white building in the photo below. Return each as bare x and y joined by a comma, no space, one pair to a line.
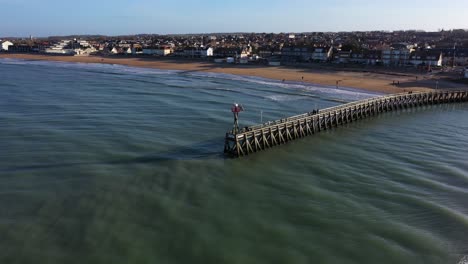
393,56
161,51
5,45
71,47
195,52
114,50
60,48
208,52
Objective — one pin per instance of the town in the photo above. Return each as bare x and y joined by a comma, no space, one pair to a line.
397,49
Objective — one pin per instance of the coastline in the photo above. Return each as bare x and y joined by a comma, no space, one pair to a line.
375,82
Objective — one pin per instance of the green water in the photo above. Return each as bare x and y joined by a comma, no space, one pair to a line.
108,164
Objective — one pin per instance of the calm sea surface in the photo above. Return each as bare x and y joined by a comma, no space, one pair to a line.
112,164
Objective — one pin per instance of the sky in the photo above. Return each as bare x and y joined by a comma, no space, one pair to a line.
41,18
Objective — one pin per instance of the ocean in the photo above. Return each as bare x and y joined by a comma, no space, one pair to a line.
114,164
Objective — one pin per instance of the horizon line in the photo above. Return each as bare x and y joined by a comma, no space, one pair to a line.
224,33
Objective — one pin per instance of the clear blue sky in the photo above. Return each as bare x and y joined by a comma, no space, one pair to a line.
62,17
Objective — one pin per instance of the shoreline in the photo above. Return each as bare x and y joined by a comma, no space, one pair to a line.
368,81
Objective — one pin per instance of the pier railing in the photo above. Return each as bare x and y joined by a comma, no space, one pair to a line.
260,137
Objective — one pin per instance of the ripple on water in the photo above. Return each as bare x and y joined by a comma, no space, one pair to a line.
107,163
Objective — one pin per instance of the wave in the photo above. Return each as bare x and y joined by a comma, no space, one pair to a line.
341,94
101,67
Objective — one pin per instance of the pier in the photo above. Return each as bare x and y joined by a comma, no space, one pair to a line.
243,142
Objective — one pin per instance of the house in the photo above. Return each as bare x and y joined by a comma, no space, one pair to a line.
296,53
207,52
71,47
150,50
454,57
304,53
366,57
461,56
226,52
159,51
21,48
395,56
322,54
245,53
179,53
137,49
192,52
358,58
373,57
116,50
165,50
425,58
343,56
265,52
61,47
5,45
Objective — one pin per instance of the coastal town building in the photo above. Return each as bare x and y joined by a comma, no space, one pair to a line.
226,52
296,53
22,48
395,55
364,57
458,57
194,52
322,54
116,50
157,51
409,48
343,56
5,45
453,57
306,54
61,48
207,52
425,58
128,51
71,47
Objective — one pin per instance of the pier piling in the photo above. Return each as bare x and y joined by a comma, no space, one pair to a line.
260,137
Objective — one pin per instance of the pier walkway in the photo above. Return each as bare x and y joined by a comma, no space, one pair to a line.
260,137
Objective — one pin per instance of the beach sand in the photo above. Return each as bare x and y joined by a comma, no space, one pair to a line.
370,81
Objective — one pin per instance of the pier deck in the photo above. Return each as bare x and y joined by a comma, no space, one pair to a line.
260,137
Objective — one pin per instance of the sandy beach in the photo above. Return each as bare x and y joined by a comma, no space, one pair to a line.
379,82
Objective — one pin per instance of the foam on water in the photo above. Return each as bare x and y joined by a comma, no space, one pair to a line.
343,94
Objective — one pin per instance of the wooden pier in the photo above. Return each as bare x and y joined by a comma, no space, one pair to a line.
261,137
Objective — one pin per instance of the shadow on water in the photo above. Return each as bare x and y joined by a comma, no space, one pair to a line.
206,150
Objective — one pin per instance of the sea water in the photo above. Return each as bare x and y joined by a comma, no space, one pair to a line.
114,164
